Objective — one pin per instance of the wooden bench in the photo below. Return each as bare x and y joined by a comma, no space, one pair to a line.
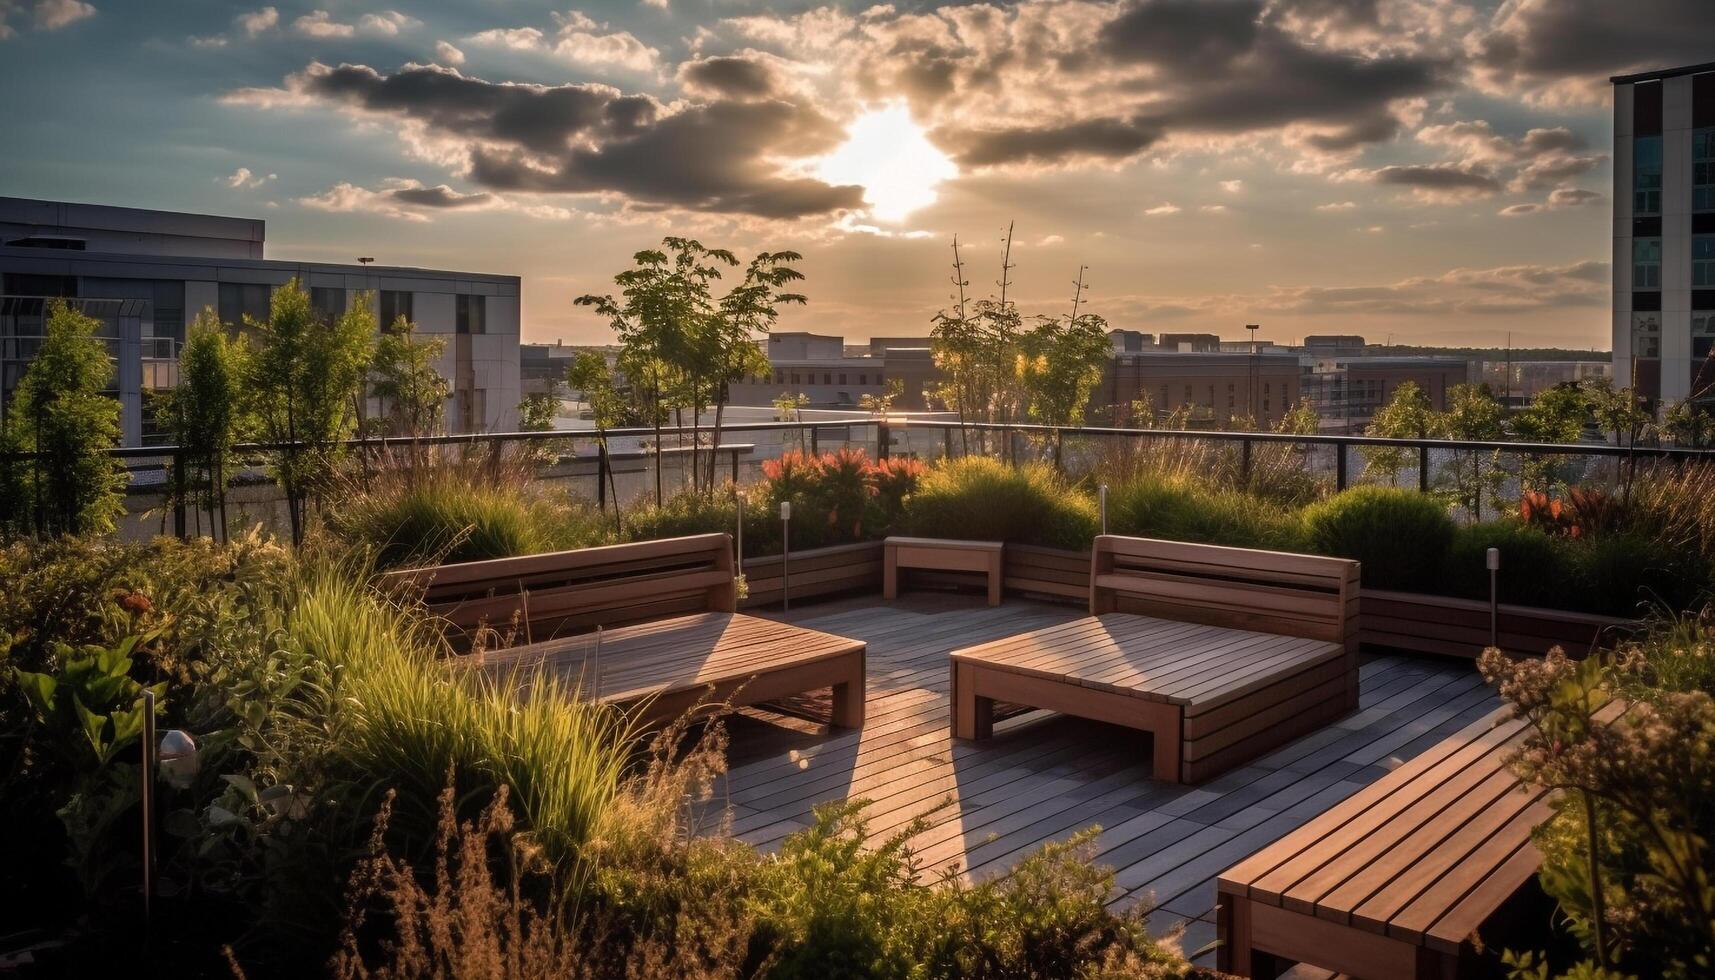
1164,652
662,669
945,555
1395,880
575,591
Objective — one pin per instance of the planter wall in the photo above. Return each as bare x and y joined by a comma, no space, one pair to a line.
1047,573
816,572
1460,627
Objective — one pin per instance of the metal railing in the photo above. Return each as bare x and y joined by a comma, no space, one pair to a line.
895,434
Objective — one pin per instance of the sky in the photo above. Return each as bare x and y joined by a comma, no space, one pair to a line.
1420,171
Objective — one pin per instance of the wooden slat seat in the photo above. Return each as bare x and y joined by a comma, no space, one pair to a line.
1220,653
1395,880
662,669
567,592
942,554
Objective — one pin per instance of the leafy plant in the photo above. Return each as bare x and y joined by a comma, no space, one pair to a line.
90,704
978,498
1400,536
1185,508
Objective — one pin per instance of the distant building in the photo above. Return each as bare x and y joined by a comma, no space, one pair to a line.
147,274
1334,345
1131,340
815,365
542,367
1664,231
1189,343
1346,391
1519,382
1213,386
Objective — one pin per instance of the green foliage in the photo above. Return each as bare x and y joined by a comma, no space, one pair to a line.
207,412
89,704
1182,508
1536,568
1407,415
1060,363
403,378
59,411
1557,415
536,411
1475,475
1626,853
978,498
451,514
1625,573
1398,535
688,513
305,376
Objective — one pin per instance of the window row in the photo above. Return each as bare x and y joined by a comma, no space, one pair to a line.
1647,167
239,300
809,378
1646,262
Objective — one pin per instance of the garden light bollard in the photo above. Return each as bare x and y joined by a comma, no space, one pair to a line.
1493,560
1102,494
738,538
785,554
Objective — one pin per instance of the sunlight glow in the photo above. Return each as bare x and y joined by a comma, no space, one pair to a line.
887,153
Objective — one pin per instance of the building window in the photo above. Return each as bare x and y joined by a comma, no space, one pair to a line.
243,299
328,301
1646,334
1703,261
1190,397
1703,169
842,377
879,379
1646,263
395,303
794,377
1702,336
1164,398
471,314
827,379
1646,175
863,379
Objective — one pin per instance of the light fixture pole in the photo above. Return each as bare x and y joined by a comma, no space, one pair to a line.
785,554
1256,368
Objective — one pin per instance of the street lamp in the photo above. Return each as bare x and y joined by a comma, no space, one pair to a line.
1256,368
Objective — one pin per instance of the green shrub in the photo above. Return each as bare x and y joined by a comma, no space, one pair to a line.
443,516
1186,509
1624,574
1401,536
977,498
1536,567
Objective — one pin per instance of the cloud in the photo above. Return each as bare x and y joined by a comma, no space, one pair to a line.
1541,158
243,179
448,53
396,198
258,21
42,15
1437,183
1497,291
1337,206
732,77
1563,51
1232,186
721,156
320,24
1162,209
579,40
1110,139
1558,199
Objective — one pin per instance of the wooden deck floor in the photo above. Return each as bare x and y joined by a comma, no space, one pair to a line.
1044,777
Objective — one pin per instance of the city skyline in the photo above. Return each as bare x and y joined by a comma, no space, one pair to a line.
1435,172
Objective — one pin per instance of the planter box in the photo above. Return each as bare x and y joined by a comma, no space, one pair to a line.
1460,627
816,572
1051,573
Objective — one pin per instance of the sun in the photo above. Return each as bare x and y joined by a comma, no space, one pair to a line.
887,154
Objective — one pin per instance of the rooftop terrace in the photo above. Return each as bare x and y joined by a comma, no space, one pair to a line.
1044,777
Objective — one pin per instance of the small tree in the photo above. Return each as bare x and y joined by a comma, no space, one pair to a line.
790,408
880,403
589,376
1473,414
1688,424
411,392
1620,412
305,374
206,412
537,410
1407,415
746,311
60,413
1557,415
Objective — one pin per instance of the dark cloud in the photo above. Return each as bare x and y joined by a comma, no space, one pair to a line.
1588,40
718,156
1092,138
1439,178
730,77
440,196
1202,36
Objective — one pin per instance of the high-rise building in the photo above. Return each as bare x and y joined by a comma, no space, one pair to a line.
1664,232
147,274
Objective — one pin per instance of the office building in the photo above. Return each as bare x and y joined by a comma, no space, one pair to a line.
1664,231
1347,391
147,274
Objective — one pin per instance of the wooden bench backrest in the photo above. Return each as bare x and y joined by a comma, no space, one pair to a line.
1266,591
568,592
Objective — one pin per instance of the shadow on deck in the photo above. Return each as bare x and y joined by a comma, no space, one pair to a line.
1044,777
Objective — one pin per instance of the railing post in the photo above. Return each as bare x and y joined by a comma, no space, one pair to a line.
179,496
1245,462
1339,466
882,438
815,441
946,443
735,467
1422,469
601,477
